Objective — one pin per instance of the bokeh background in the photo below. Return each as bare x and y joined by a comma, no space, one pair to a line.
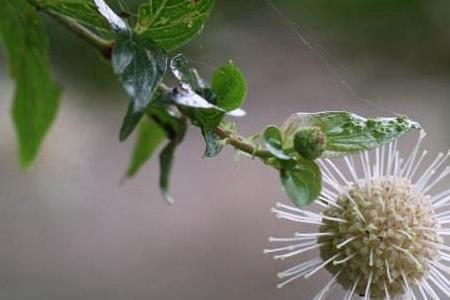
69,230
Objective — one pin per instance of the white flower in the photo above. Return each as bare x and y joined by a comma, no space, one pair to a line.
380,230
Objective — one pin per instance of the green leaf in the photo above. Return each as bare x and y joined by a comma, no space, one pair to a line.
347,133
150,136
140,65
165,163
193,86
37,95
82,11
176,129
230,87
214,144
172,23
302,181
201,100
273,141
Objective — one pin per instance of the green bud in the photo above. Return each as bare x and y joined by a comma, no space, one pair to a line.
310,142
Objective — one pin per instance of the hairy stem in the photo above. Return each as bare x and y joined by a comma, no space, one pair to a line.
105,47
239,143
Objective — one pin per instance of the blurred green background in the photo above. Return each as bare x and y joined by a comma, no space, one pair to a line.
69,230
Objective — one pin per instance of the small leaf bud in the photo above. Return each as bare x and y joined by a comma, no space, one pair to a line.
310,142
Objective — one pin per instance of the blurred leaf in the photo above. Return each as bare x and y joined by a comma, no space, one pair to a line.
140,65
82,11
165,118
302,181
129,122
165,162
176,129
348,133
230,87
124,8
172,23
37,95
273,141
150,136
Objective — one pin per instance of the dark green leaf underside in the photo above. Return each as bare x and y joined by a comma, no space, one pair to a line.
302,181
272,140
214,144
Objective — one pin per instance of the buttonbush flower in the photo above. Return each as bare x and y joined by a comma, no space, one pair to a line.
380,230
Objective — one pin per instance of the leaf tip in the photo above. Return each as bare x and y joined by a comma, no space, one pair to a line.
26,162
167,197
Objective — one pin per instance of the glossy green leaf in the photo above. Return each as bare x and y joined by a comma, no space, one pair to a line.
172,23
302,181
150,136
273,141
140,65
192,83
36,97
230,87
206,117
82,11
347,133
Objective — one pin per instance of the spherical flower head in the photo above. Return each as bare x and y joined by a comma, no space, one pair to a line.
395,239
380,231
